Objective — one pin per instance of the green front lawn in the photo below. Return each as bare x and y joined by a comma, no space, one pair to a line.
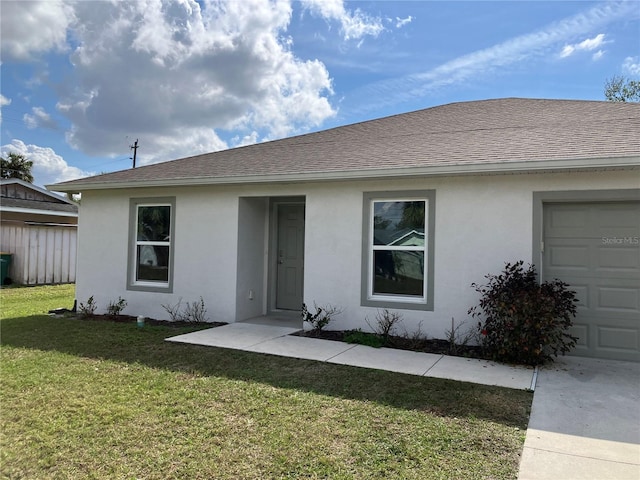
93,399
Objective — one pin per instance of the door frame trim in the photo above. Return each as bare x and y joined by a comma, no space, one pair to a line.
274,203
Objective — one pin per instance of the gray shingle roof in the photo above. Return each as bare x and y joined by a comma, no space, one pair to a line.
22,203
462,135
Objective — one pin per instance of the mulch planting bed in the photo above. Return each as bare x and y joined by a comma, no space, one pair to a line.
437,346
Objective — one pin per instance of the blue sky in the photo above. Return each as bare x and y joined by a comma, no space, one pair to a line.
82,80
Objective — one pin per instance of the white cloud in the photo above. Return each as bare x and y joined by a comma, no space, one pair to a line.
631,65
246,140
31,27
567,50
598,55
180,143
586,45
39,118
175,73
354,25
592,43
48,166
3,101
495,58
401,22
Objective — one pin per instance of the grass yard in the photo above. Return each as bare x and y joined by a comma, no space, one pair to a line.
94,399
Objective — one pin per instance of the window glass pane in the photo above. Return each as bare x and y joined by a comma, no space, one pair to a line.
398,272
398,223
154,223
153,263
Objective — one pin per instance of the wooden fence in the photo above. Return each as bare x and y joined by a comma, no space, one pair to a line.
42,254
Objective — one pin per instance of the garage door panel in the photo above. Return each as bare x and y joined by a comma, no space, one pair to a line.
616,219
619,299
582,295
622,258
592,254
569,256
579,284
595,249
593,292
566,219
617,339
612,338
580,330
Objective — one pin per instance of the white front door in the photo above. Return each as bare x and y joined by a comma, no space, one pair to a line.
290,256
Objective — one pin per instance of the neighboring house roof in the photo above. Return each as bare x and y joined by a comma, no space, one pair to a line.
411,237
471,137
19,196
406,236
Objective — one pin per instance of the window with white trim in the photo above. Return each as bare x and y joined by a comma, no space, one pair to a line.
397,253
151,251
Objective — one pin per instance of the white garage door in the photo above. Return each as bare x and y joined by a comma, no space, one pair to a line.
595,248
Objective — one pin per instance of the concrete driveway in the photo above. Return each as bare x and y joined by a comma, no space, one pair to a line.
585,422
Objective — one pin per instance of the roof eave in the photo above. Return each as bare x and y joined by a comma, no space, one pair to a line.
368,174
32,211
36,188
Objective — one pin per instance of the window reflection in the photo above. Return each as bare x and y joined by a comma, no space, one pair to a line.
398,223
398,247
398,272
153,263
153,242
154,223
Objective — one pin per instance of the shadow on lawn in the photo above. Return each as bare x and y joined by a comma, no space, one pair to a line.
126,343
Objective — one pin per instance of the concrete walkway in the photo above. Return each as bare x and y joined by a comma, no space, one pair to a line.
276,339
585,422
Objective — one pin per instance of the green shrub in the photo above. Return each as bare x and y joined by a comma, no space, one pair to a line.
194,312
322,317
89,308
115,308
364,338
524,321
386,324
458,340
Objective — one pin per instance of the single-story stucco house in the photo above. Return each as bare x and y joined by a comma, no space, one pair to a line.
402,213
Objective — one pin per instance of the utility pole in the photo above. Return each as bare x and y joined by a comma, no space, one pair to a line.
134,147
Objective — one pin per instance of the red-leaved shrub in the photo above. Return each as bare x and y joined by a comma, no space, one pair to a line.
522,320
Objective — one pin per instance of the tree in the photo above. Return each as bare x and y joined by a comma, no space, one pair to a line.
16,166
621,89
412,215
